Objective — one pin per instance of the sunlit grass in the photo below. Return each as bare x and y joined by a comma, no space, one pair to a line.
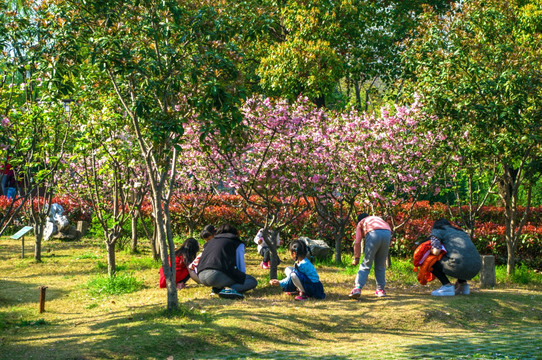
132,323
121,283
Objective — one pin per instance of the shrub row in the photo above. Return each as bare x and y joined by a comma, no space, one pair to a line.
489,235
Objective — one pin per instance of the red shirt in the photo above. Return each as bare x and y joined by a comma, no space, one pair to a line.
181,273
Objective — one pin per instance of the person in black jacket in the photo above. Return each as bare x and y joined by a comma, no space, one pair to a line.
222,264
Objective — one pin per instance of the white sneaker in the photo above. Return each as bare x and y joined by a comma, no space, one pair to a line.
462,288
444,290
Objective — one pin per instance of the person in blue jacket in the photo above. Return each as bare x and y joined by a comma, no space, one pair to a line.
302,279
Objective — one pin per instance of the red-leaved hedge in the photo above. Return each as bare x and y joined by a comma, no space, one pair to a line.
489,232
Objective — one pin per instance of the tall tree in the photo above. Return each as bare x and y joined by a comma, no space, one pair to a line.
167,61
478,69
311,46
31,90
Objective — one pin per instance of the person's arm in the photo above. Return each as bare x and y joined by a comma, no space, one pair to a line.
240,258
357,243
258,238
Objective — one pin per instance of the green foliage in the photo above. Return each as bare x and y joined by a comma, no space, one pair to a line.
23,323
103,266
310,68
142,263
523,275
89,255
119,284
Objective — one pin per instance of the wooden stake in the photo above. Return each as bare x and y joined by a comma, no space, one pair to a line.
42,298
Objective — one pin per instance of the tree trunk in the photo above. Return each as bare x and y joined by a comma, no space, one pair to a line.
358,94
167,250
110,246
154,244
510,258
38,229
191,227
338,244
133,247
270,239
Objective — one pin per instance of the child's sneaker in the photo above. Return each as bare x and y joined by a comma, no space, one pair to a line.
264,265
380,292
180,285
231,294
301,297
444,290
355,293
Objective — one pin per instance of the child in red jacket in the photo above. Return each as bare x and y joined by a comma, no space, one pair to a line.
183,256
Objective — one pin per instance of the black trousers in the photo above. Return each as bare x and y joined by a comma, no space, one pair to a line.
438,271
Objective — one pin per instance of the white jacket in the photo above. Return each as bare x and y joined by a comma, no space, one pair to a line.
258,239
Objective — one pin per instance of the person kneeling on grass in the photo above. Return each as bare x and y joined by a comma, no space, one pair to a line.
222,264
301,280
183,255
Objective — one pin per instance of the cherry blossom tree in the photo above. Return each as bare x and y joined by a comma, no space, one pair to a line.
382,161
265,164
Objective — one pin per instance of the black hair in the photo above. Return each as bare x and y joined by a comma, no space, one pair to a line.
188,250
299,248
362,216
440,224
227,229
208,231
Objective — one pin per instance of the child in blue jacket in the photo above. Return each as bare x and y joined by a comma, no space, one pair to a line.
302,279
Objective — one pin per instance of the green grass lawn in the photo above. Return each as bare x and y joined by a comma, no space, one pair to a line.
82,322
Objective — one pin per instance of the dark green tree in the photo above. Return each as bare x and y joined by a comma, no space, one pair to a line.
479,70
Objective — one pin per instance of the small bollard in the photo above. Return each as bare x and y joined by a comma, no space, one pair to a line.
487,273
82,227
42,298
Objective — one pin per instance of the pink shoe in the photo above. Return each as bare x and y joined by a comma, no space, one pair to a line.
301,297
264,265
380,292
292,293
355,293
180,285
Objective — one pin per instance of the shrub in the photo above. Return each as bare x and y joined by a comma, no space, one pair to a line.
116,285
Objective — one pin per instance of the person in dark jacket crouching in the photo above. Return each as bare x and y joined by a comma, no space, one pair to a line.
461,259
222,265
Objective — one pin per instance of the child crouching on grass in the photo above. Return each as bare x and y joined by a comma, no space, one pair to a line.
183,255
302,279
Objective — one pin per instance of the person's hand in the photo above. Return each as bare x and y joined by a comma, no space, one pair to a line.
274,282
355,261
435,251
